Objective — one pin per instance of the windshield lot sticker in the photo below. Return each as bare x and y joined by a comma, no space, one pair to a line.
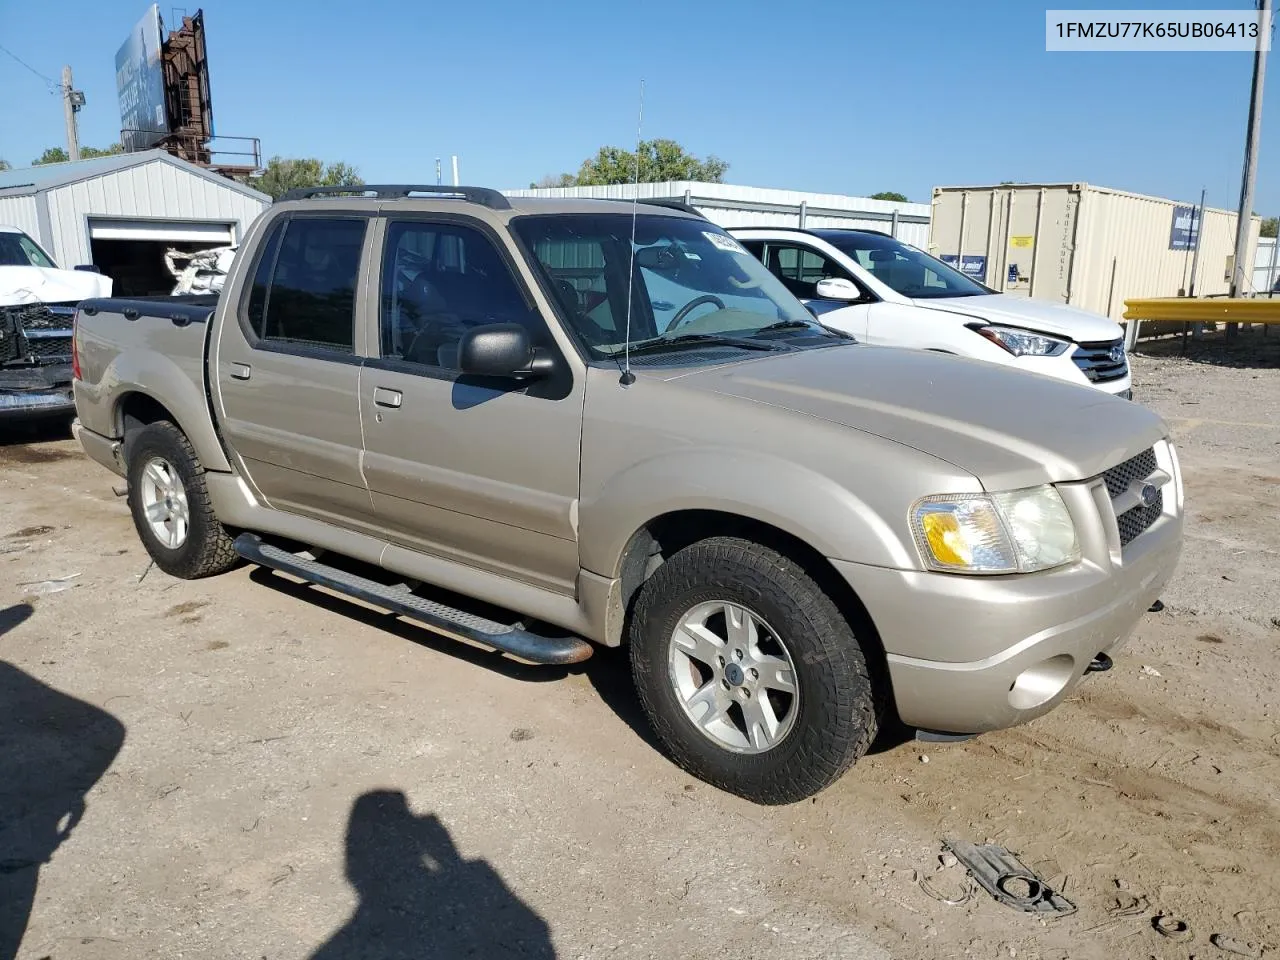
722,242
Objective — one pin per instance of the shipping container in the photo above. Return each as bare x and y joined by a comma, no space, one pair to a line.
1091,247
730,205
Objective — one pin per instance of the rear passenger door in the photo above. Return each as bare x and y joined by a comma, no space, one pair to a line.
484,473
287,367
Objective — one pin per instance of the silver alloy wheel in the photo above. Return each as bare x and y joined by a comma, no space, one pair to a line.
164,502
734,677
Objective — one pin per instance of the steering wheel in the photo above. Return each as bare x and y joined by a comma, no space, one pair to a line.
689,307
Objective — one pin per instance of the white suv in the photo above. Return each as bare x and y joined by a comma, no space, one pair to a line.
884,291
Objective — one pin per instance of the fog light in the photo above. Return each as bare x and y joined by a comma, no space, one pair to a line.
1041,683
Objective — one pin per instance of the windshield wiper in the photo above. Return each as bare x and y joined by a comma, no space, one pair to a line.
693,340
814,325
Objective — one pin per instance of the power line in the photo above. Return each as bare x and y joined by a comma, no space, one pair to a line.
54,85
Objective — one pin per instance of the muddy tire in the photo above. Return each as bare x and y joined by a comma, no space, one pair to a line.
170,505
749,674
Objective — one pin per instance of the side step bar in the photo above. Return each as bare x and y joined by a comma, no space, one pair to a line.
438,616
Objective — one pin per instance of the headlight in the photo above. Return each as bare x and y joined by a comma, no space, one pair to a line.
1017,532
1021,343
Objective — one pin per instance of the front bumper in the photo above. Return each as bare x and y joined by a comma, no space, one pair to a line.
35,391
969,654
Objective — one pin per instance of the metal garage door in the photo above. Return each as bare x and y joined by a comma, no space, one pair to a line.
168,231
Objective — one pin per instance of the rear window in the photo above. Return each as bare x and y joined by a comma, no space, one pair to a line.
304,287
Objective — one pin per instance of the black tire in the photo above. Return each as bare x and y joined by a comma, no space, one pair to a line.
838,709
207,549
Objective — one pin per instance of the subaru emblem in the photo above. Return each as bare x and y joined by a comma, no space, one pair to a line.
1117,353
1150,494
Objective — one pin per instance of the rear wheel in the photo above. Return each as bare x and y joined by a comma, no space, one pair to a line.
170,505
749,673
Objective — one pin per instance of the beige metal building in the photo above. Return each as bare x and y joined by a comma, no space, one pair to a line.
1091,247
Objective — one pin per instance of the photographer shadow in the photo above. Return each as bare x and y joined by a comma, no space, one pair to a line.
53,749
419,899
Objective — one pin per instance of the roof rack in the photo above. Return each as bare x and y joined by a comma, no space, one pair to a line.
386,191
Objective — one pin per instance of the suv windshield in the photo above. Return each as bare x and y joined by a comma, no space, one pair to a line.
19,250
691,284
911,272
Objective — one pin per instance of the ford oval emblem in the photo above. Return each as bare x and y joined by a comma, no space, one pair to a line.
1150,494
1117,353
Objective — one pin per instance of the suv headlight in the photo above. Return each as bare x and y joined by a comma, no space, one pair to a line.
1023,343
1021,531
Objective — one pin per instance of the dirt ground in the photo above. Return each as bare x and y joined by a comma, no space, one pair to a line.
267,771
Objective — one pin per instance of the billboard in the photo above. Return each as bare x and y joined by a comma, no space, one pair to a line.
140,84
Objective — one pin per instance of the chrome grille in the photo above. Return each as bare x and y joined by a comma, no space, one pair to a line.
1098,363
1118,479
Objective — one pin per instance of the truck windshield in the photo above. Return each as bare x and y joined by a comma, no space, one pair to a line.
19,250
690,283
909,271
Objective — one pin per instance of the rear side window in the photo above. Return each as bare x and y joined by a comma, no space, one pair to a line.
304,289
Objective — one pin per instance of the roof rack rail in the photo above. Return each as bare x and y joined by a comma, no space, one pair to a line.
673,203
387,191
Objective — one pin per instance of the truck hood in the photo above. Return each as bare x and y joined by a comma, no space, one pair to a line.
47,285
1042,316
1007,427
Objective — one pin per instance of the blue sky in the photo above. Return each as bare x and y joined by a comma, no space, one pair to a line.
842,96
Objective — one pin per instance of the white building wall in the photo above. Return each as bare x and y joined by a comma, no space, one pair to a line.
155,190
731,205
1266,265
20,212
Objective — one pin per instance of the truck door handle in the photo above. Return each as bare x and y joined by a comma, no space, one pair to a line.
240,371
384,397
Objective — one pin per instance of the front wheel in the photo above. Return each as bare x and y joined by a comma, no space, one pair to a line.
170,505
749,674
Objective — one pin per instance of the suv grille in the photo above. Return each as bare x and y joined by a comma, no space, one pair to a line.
1099,360
36,332
1137,519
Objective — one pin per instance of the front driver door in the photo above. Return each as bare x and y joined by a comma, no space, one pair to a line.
482,473
801,268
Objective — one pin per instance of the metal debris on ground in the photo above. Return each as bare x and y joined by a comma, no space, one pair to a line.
40,588
1150,671
1172,927
1240,948
1005,877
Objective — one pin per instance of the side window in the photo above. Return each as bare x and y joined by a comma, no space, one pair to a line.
309,299
800,268
438,281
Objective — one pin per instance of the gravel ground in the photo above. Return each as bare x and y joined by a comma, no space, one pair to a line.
267,771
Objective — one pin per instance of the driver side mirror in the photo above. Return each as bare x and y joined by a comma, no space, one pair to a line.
502,350
838,288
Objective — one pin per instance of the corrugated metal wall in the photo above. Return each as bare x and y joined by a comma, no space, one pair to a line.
20,212
1088,246
730,205
151,190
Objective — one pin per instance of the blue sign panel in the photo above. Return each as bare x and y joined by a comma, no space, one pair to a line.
1185,234
974,265
140,84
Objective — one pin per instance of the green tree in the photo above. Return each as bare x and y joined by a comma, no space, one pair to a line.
1268,229
660,160
283,175
890,195
59,155
4,165
554,180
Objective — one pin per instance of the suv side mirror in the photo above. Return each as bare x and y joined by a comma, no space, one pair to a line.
501,350
838,288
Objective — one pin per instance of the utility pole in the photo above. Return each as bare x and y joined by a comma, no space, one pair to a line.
72,101
1197,224
1250,176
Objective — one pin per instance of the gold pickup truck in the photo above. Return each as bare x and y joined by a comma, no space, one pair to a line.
541,425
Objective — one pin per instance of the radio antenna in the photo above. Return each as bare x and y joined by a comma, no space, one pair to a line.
628,377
